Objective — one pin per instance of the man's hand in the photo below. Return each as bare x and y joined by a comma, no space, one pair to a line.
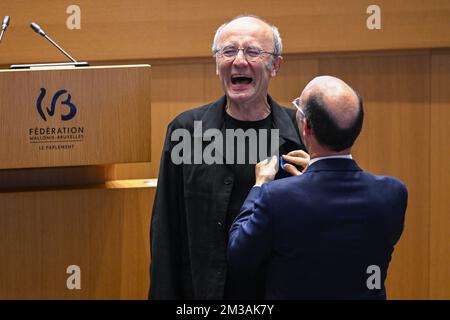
297,157
266,170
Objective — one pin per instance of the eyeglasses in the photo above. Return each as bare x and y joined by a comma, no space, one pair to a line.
252,54
296,103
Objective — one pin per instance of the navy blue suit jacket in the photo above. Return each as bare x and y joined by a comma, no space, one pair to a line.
318,234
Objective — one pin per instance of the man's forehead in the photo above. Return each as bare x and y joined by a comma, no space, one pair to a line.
247,21
247,27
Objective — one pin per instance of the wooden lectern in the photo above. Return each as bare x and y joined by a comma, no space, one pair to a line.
68,229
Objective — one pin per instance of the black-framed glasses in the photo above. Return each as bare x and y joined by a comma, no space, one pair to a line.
296,103
251,53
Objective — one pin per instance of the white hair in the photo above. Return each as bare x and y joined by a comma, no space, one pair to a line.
277,43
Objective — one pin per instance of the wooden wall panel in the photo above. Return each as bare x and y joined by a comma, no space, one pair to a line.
212,86
103,231
147,29
394,141
295,73
440,177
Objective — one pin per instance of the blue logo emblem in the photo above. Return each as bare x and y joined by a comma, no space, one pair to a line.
51,111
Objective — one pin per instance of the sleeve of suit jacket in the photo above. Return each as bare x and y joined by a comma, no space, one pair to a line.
166,274
250,239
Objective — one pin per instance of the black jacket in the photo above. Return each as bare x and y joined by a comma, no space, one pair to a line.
188,237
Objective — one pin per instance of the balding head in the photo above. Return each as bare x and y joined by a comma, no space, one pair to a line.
334,111
249,21
340,100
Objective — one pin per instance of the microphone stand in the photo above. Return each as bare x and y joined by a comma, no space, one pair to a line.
74,62
4,27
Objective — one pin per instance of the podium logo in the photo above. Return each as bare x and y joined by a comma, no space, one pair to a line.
70,107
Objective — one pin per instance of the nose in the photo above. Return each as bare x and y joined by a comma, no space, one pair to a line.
240,58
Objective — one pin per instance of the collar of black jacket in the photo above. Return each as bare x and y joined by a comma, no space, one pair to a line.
215,115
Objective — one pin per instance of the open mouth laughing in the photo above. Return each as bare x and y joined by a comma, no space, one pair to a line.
241,79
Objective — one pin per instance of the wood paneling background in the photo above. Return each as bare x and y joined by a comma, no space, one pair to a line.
143,29
402,72
103,231
439,153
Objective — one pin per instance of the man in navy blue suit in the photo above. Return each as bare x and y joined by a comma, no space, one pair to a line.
327,232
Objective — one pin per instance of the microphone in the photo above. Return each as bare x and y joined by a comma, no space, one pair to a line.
39,30
5,25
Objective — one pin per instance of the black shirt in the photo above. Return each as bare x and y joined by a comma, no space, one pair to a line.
239,284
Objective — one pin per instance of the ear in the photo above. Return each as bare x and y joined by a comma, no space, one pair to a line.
217,67
307,130
276,66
